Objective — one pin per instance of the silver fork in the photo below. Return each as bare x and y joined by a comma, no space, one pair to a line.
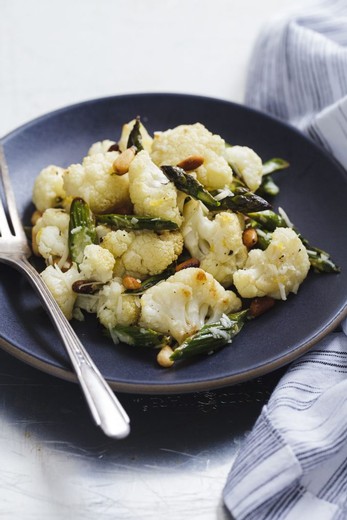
107,411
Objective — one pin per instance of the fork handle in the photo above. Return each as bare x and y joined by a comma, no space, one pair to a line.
106,410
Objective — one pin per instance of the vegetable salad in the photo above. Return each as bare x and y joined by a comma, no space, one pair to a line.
169,239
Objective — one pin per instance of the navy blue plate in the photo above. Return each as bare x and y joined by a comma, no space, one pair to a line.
313,192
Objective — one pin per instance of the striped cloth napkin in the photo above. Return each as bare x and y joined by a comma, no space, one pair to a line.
294,462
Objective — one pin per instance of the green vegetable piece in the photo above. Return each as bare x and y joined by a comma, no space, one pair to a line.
138,336
153,280
135,137
237,182
244,201
320,260
188,184
212,336
135,222
267,187
273,165
268,219
264,238
81,229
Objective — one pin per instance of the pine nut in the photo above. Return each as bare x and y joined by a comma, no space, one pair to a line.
67,265
191,262
131,283
122,163
249,237
191,163
163,357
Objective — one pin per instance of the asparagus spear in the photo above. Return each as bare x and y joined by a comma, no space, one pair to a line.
237,182
273,165
264,238
212,336
138,336
81,229
321,261
135,137
267,187
135,222
153,280
242,199
188,184
267,221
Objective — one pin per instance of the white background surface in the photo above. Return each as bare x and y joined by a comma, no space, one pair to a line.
57,53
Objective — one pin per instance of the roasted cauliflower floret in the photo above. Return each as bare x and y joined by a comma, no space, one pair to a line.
95,182
101,147
146,253
50,235
127,128
60,285
97,264
216,243
185,302
173,146
48,191
117,242
150,191
116,308
277,271
247,164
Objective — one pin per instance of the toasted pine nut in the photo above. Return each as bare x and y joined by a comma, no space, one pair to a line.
163,357
130,282
249,237
67,265
260,305
35,216
122,163
191,163
191,262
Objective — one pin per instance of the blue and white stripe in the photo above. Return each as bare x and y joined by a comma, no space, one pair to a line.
294,462
298,73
